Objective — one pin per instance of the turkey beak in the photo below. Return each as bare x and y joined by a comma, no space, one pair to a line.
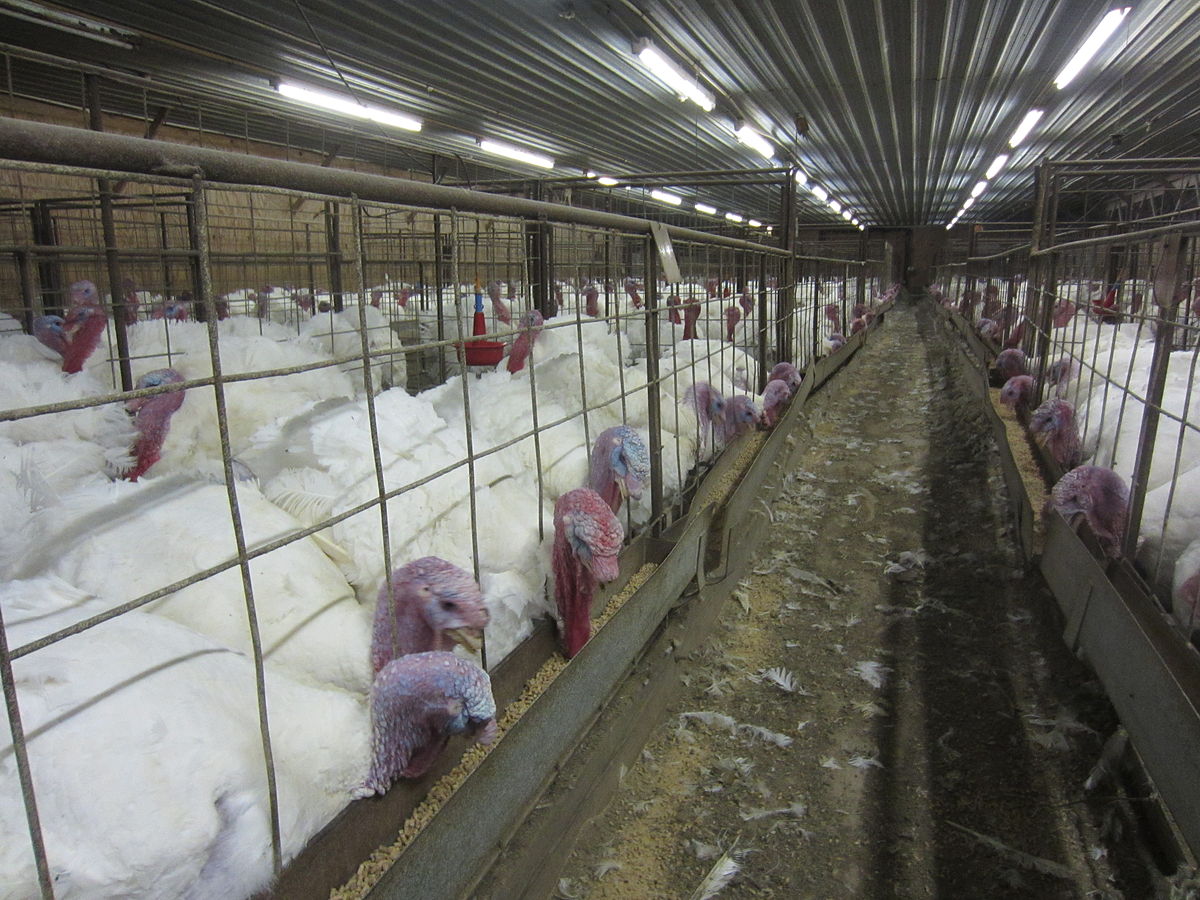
631,487
470,638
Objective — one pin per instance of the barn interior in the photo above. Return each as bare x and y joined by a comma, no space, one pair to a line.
776,417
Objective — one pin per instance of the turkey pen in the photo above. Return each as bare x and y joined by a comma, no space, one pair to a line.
294,339
1100,299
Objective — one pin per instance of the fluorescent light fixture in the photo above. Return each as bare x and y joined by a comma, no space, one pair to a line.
590,174
980,187
706,209
733,217
347,106
835,206
754,223
664,197
819,192
949,225
499,148
968,203
684,85
606,181
1089,47
755,141
69,22
801,178
997,164
1026,126
846,215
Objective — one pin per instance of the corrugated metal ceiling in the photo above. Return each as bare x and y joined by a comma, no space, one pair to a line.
906,102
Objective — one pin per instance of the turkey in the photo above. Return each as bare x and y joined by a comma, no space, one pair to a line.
122,540
426,605
587,540
417,703
620,465
170,797
775,398
1097,495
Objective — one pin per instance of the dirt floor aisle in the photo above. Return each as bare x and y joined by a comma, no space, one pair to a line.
887,710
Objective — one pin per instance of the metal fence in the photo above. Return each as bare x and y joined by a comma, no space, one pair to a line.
337,416
1106,305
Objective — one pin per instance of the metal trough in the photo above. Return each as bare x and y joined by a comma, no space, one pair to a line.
1151,675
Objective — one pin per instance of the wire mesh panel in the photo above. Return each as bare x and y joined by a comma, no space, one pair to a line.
1104,311
230,414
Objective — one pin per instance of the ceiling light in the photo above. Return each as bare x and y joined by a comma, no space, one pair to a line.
835,206
590,174
968,203
755,141
684,85
706,209
754,223
819,192
1089,47
733,217
980,187
69,22
1026,126
854,220
949,225
664,197
801,178
508,151
846,215
347,106
606,181
996,166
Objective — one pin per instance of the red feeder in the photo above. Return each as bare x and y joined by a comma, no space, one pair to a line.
480,352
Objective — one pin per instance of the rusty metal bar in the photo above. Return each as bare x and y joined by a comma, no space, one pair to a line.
58,145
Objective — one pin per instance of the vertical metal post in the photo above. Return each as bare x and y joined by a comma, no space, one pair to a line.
111,257
607,279
24,774
312,269
200,244
785,324
31,300
164,241
45,234
845,299
861,293
763,368
439,258
333,251
1168,292
1033,277
537,248
654,386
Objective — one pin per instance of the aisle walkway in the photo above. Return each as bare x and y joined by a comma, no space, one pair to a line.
888,711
